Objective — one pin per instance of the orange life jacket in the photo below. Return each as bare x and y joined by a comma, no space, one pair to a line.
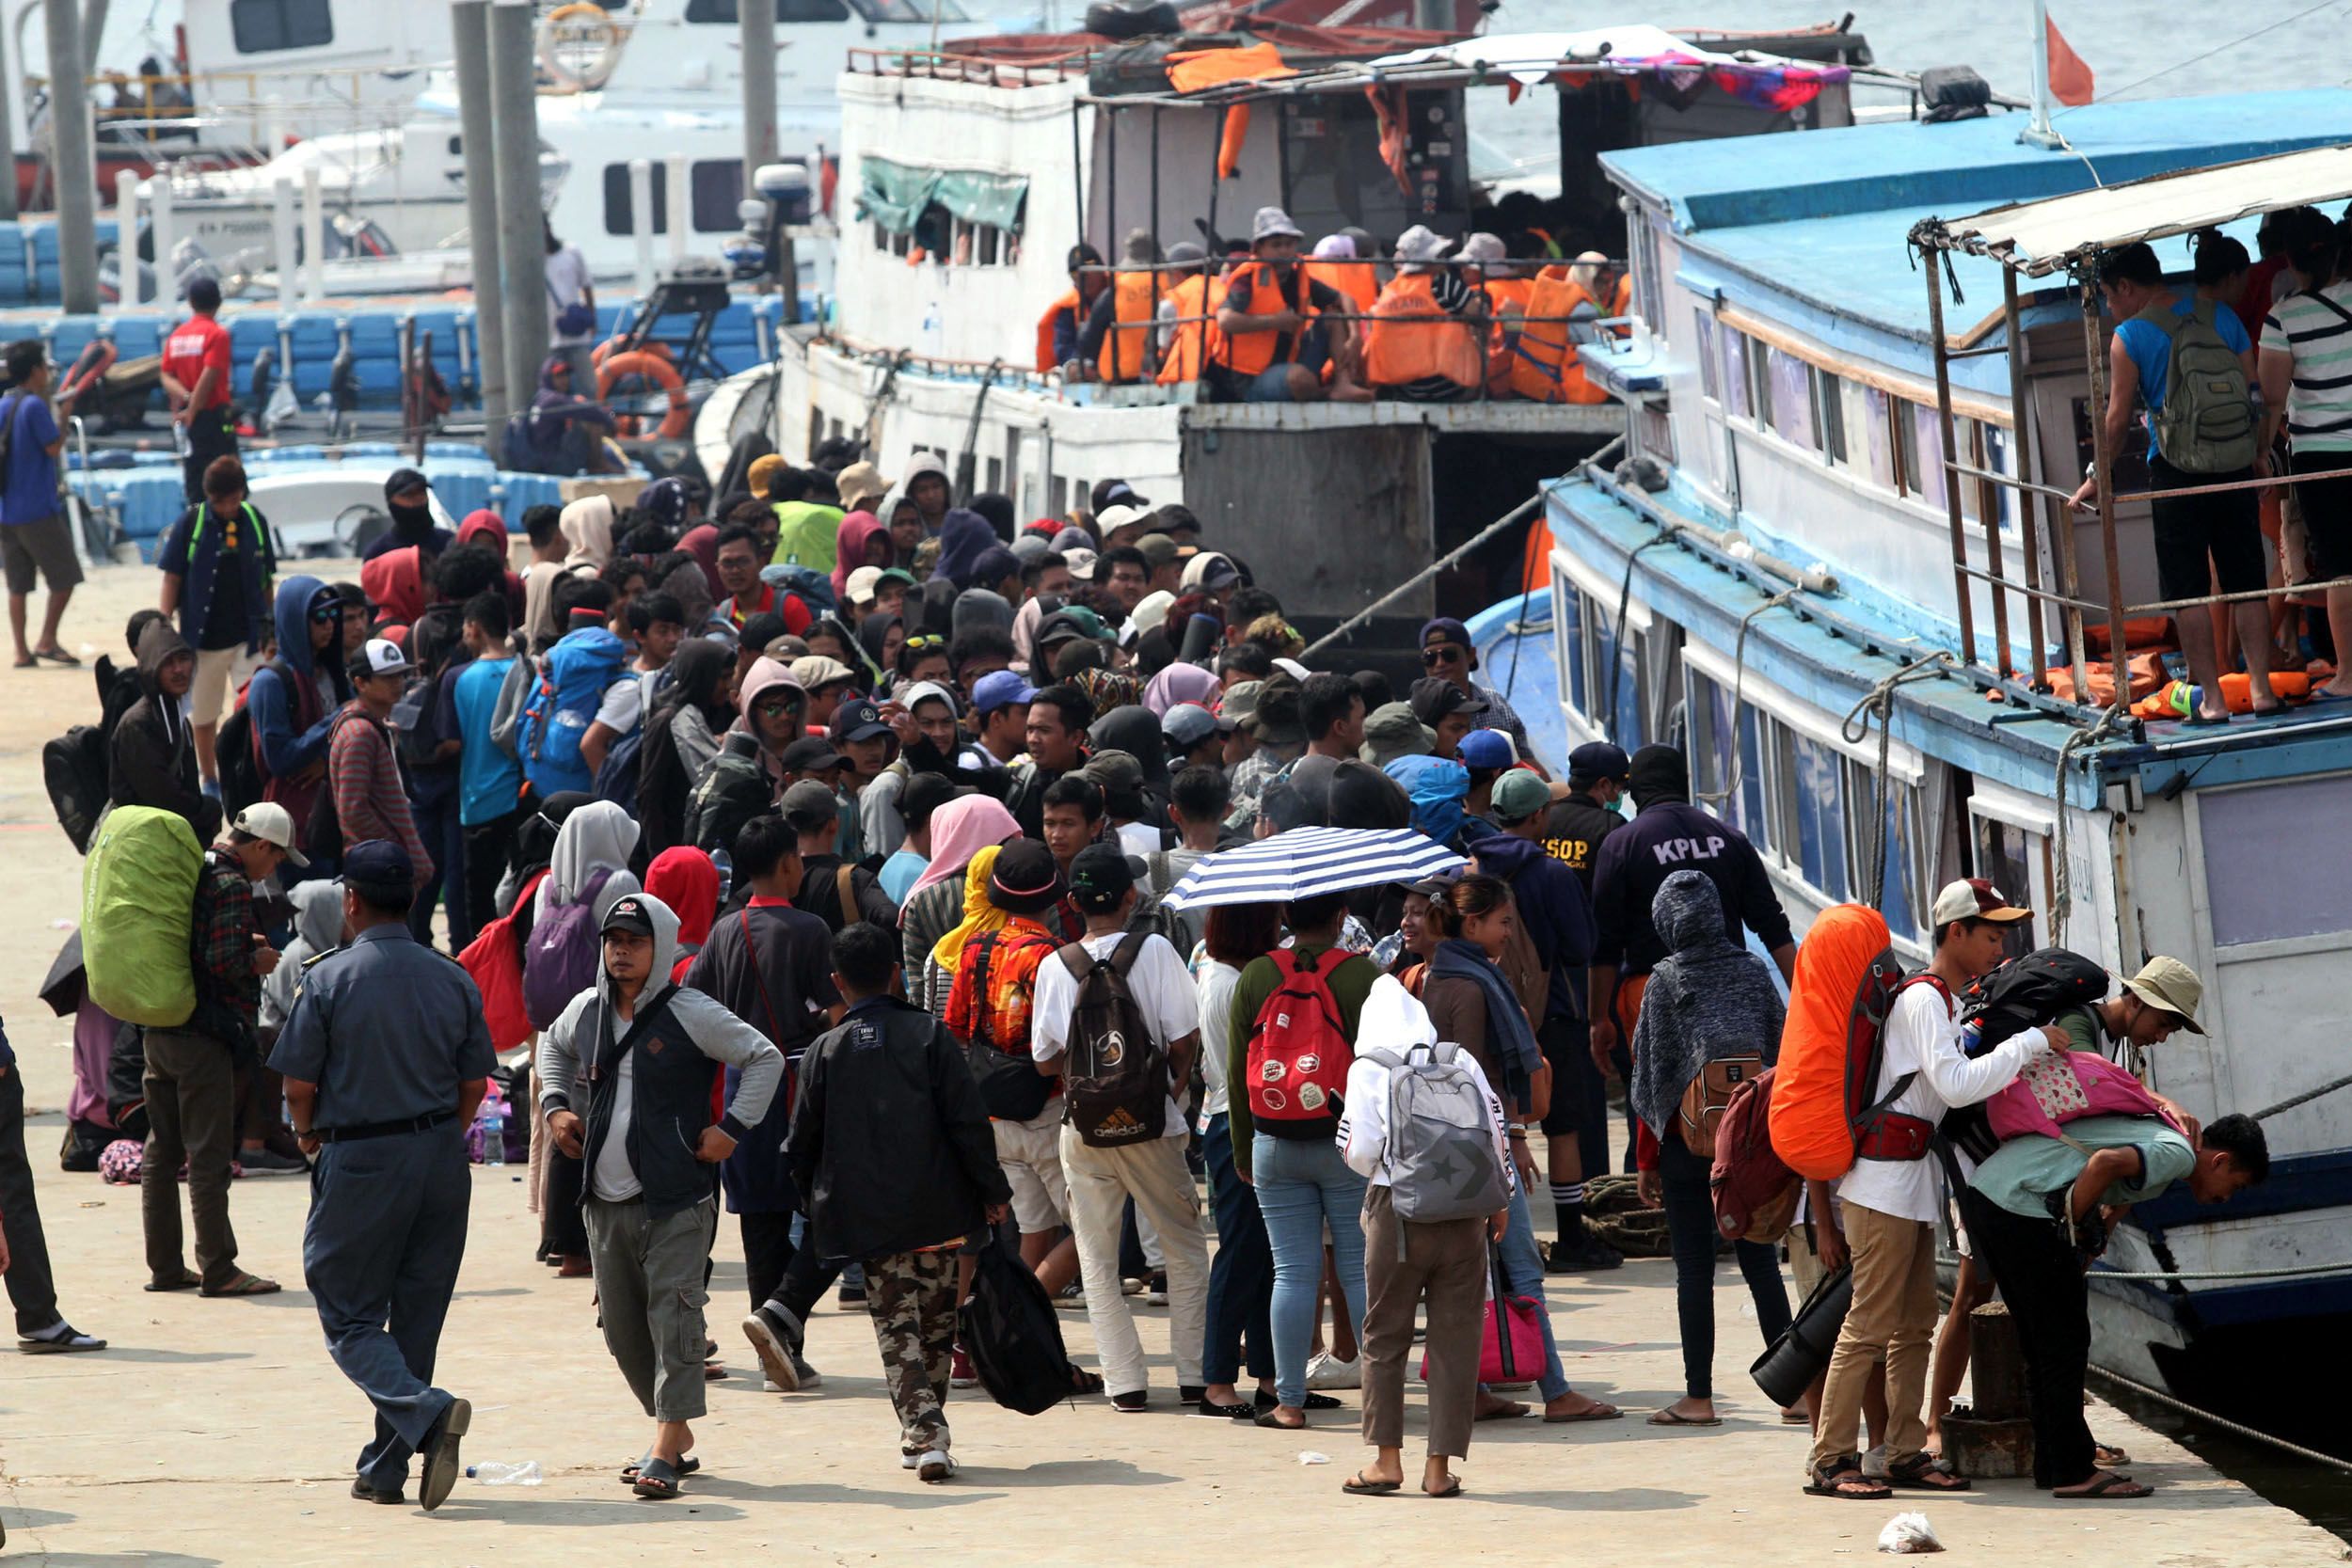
1360,281
1046,361
1506,300
1247,354
1197,341
1410,337
1126,351
1544,366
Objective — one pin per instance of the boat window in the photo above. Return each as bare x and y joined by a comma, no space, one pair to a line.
1709,381
1646,300
1713,738
1568,632
1884,459
1617,681
2263,883
1735,376
1928,475
1996,449
1901,893
717,186
1813,798
260,26
911,10
1792,401
1829,412
620,213
1906,441
727,12
1759,363
2006,856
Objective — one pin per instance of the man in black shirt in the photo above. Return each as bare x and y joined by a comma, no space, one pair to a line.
813,812
1574,829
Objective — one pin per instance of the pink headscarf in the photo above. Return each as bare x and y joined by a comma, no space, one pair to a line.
1179,684
961,830
702,545
849,548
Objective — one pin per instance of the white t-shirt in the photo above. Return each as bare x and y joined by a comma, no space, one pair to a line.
624,702
1213,989
614,1179
1140,839
567,284
1923,1037
1162,989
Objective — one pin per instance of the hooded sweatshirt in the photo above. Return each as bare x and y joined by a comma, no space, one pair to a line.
647,1102
1706,999
1668,834
685,879
295,699
411,525
890,506
394,582
963,538
370,799
927,463
318,922
857,531
151,760
981,607
587,528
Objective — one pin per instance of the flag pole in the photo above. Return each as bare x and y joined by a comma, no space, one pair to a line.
2037,132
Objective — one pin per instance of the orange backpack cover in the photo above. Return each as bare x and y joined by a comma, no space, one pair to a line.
1845,981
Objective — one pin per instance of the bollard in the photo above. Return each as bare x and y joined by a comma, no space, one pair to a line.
127,288
1991,1438
162,226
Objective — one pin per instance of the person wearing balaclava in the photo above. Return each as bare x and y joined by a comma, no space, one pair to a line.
409,501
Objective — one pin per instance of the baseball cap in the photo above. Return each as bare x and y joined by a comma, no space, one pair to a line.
1975,898
809,801
1444,629
860,584
377,864
1187,724
1063,624
1271,222
2172,986
1391,732
1082,256
1099,877
383,656
1239,704
1000,689
814,669
898,575
273,823
1158,549
1210,570
1486,748
1115,492
858,718
1025,879
1518,795
1597,759
1152,609
628,914
1433,700
809,754
1080,560
406,481
1120,775
1112,519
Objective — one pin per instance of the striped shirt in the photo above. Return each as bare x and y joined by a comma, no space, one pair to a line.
2317,334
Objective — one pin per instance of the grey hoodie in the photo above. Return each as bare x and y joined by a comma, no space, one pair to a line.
1706,999
318,924
920,463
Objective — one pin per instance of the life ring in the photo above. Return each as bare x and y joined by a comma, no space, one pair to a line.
568,36
657,369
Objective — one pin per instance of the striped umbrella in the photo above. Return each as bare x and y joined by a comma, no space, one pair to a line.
1308,862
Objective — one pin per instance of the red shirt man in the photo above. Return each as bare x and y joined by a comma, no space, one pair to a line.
196,375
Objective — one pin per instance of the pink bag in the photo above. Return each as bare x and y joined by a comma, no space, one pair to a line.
1511,1348
2056,1087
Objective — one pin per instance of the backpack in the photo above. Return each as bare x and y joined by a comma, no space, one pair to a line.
1009,1328
412,723
1299,1053
2058,1086
10,406
560,954
1115,1085
732,791
1754,1195
1441,1161
1823,1118
237,752
73,766
1010,1086
560,709
138,917
2026,992
324,833
2206,425
506,712
1700,1115
617,778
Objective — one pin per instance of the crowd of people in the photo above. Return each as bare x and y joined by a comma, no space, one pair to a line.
823,837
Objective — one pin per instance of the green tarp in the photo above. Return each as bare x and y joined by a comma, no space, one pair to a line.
895,195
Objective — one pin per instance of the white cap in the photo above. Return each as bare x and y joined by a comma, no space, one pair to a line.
1419,246
1151,610
384,658
860,584
274,823
1272,221
1081,561
1483,249
1112,519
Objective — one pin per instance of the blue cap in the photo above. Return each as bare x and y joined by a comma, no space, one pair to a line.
1600,760
1486,748
378,863
1000,689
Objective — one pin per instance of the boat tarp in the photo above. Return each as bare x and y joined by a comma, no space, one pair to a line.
894,195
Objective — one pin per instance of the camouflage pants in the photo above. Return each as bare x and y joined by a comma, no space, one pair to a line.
913,1298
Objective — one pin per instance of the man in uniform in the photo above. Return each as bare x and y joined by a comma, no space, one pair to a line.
1573,830
386,1057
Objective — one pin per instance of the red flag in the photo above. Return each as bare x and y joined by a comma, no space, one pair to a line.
2070,81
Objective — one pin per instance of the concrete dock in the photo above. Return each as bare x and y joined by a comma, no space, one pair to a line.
217,1432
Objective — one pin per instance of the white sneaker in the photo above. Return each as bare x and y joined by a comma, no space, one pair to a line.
1326,1370
935,1465
909,1461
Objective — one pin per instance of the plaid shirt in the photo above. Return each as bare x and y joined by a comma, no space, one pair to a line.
222,944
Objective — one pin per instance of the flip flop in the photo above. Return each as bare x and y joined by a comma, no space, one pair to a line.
657,1478
685,1466
1597,1413
55,656
189,1281
1668,1418
2108,1486
2107,1456
28,662
2322,694
1827,1479
1912,1476
244,1285
2199,721
1356,1485
1509,1410
1453,1488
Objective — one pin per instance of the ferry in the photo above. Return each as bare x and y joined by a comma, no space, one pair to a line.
1836,565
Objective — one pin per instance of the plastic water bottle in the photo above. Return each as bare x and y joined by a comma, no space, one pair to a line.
494,1474
726,862
491,1120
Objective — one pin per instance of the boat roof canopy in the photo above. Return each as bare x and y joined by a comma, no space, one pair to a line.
2066,232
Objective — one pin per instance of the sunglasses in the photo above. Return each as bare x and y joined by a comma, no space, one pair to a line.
325,614
923,642
1436,657
774,705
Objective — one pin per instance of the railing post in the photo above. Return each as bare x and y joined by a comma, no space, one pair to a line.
1951,481
2103,462
2023,457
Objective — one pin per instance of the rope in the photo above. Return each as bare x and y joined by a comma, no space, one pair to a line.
2224,1422
2269,1111
1625,602
1739,684
2062,879
1879,702
1341,631
2295,1270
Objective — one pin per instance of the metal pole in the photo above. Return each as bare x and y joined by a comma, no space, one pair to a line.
126,239
641,220
281,238
160,224
477,139
2103,460
757,19
2026,461
522,226
2037,132
1951,484
7,137
93,25
677,205
313,237
77,178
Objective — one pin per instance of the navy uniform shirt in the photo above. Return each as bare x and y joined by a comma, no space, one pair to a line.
387,1028
1573,832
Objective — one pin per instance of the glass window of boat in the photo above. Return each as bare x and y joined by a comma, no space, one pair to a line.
1788,405
1813,797
1647,297
1760,367
726,11
261,26
1900,890
1735,369
1829,414
1927,476
1885,460
1726,761
1567,633
911,10
1709,377
2006,855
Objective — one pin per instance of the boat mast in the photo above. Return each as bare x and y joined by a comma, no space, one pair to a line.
2038,131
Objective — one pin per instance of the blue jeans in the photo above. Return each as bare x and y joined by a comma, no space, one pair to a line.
1302,1183
1241,1275
1523,1274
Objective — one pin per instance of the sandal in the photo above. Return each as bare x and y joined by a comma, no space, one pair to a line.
1599,1412
685,1466
2109,1486
188,1280
55,656
1505,1410
244,1285
657,1478
28,662
1084,1382
1842,1476
1666,1418
2108,1457
1356,1485
1921,1473
1453,1488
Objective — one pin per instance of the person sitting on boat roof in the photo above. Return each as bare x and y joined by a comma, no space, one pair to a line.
2201,540
1338,263
1427,339
1186,263
1057,329
1278,328
1116,345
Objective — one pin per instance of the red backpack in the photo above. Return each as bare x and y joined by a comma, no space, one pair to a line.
1754,1194
1299,1053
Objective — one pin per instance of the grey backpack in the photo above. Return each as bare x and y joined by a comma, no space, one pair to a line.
2206,425
1441,1161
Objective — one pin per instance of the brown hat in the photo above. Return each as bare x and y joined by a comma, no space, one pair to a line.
1026,877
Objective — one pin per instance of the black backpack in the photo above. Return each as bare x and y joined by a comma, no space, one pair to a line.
324,833
2024,993
236,752
73,766
1009,1330
1115,1085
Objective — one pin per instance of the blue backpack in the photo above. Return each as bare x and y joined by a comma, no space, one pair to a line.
616,781
572,682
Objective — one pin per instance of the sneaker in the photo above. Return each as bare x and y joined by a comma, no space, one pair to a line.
935,1465
909,1461
268,1162
1072,1298
959,1373
1587,1254
774,1348
809,1377
1130,1286
1326,1370
1157,1294
850,1295
1132,1402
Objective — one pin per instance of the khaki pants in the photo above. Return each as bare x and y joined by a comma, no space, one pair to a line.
1893,1318
191,1116
1154,1174
1447,1263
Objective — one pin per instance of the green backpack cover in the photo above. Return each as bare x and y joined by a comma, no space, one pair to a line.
138,898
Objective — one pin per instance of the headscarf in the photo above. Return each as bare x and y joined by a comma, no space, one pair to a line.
997,509
1108,690
411,525
702,545
665,501
963,537
764,676
979,607
1713,998
535,836
685,879
1181,683
395,582
698,672
595,837
587,527
960,831
485,526
978,913
1437,786
1508,1036
857,530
